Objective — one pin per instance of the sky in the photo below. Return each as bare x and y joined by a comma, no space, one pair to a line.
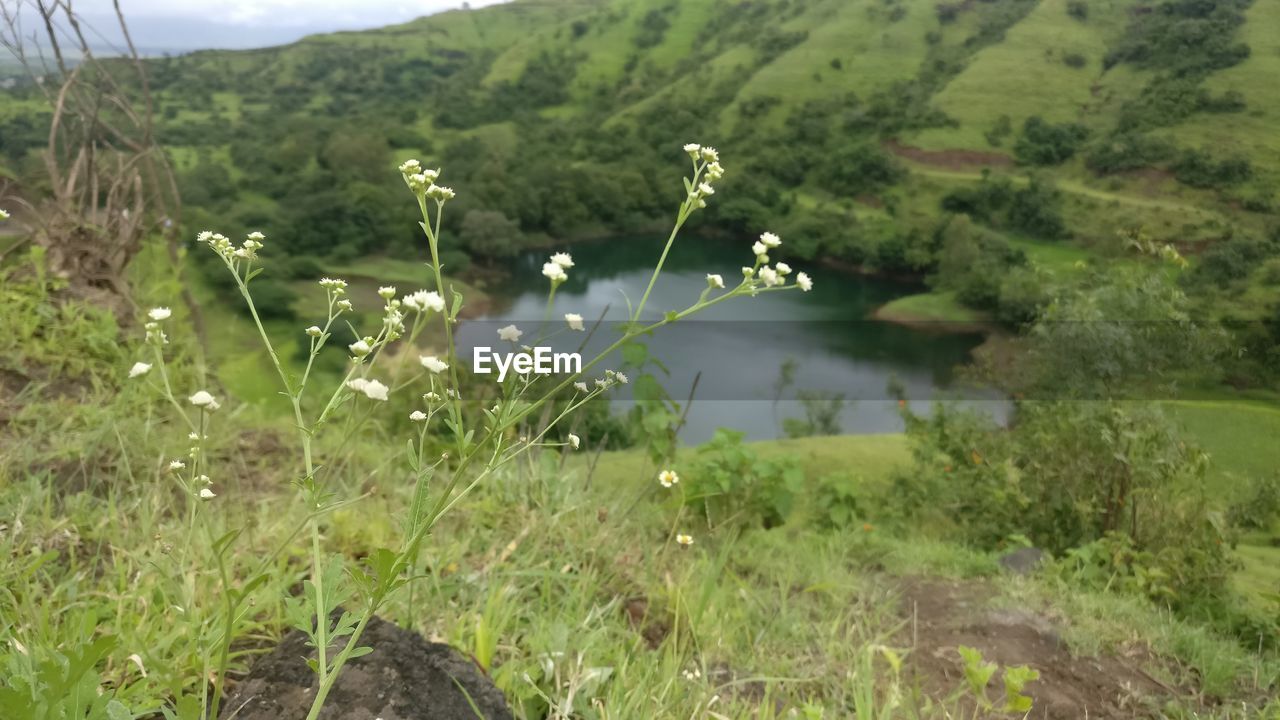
181,25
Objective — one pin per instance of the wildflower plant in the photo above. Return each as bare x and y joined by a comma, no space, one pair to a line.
341,596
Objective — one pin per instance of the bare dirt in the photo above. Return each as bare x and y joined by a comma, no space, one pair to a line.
942,615
949,159
404,678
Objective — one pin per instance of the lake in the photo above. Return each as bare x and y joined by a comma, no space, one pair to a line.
737,349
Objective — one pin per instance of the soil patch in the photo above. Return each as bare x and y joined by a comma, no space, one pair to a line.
949,159
404,678
942,615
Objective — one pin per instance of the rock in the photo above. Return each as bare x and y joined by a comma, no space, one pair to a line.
1022,561
404,678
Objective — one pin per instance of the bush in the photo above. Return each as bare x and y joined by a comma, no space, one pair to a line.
1229,261
1042,143
729,483
1078,9
1074,60
1073,477
1036,211
836,504
1198,168
1259,507
860,169
1128,151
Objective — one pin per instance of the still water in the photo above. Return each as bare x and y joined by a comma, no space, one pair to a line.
737,349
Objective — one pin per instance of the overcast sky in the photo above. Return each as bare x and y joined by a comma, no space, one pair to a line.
191,24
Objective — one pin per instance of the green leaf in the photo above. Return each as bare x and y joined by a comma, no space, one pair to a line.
359,652
117,711
457,303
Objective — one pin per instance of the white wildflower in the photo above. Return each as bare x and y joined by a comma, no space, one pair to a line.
580,386
510,333
410,167
418,416
333,284
714,171
574,441
685,540
748,272
424,300
710,155
386,292
759,249
440,193
175,465
770,277
668,478
770,240
314,331
371,389
207,494
360,348
574,320
693,149
782,268
203,399
160,313
555,272
139,368
564,260
345,305
704,189
805,283
715,281
433,363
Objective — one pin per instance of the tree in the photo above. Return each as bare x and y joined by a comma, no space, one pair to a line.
490,234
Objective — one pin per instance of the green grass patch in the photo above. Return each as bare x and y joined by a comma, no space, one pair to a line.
940,306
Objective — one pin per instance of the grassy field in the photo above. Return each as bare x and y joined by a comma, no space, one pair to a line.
931,307
1026,75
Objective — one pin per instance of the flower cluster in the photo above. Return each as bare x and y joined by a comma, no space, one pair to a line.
554,269
204,400
248,250
371,389
155,334
761,275
706,171
422,181
423,300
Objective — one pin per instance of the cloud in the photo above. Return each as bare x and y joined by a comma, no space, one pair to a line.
328,14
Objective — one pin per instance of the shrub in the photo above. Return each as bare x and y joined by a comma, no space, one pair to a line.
1035,210
1128,151
835,503
1199,169
1078,9
1074,60
1043,143
728,482
859,169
